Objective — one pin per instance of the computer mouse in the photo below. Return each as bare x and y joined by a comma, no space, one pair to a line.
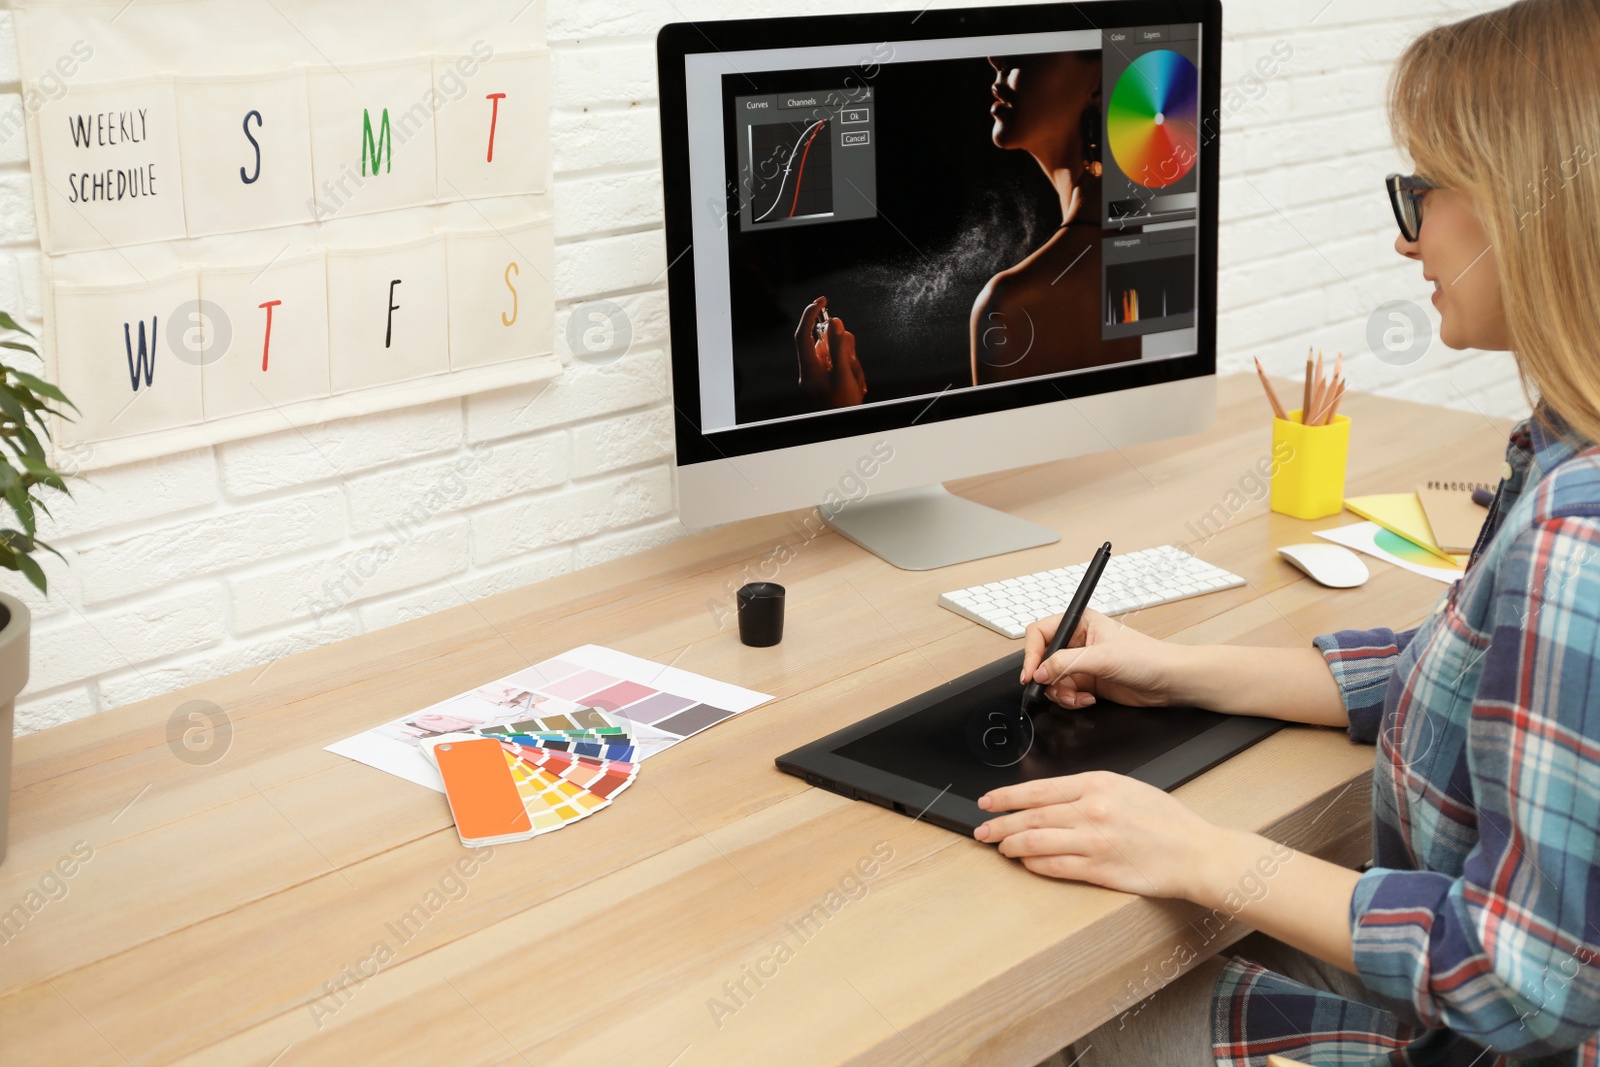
1327,564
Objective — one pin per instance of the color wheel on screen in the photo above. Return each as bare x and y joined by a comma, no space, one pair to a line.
1152,117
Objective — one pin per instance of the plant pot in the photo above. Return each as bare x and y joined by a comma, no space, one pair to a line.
15,622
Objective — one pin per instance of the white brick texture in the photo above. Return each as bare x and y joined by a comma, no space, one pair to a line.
225,559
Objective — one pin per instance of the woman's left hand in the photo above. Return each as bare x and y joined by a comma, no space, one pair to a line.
1106,829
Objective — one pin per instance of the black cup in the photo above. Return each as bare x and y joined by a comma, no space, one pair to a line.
761,614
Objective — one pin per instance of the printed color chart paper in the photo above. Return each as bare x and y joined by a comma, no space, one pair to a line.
584,694
1374,540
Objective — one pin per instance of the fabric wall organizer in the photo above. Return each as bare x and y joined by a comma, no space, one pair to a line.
262,214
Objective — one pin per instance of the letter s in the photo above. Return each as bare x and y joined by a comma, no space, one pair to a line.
511,268
253,144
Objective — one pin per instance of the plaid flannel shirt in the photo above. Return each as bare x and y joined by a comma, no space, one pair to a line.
1477,931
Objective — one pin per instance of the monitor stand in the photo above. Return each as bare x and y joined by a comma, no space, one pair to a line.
927,527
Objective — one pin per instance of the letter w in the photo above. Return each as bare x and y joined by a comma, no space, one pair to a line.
146,363
371,150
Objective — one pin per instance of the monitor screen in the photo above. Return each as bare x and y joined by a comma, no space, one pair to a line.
887,224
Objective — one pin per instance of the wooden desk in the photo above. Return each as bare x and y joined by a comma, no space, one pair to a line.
222,903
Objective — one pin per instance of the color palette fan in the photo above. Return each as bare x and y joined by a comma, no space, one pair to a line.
1153,117
501,791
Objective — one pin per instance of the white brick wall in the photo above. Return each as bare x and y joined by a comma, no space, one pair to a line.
1306,248
228,558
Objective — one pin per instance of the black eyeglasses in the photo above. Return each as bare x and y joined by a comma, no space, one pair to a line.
1405,196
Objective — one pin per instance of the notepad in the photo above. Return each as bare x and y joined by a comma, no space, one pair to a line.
1453,518
1401,514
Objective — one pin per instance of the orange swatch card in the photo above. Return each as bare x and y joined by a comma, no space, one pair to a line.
483,798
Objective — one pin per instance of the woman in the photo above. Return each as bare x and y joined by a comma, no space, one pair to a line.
1042,316
1473,938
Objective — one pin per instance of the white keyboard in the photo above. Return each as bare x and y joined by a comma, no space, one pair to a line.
1132,581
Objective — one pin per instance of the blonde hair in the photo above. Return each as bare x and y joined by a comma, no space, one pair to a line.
1505,106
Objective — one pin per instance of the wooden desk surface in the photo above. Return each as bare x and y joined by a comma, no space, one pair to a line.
250,911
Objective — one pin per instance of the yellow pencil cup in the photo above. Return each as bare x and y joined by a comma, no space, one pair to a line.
1308,466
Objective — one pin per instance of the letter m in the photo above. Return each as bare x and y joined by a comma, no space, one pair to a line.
374,150
145,365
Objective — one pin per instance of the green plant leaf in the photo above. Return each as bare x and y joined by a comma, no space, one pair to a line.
38,544
43,428
42,387
30,444
42,473
12,440
12,407
12,560
24,410
17,497
16,540
37,409
11,324
21,394
34,573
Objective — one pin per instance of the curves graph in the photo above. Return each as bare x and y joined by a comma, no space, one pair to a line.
790,146
1152,118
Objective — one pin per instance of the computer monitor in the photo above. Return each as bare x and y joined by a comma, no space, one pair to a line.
923,245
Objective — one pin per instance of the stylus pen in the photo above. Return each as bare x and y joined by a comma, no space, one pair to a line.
1071,619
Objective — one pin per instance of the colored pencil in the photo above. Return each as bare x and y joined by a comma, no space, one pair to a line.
1330,401
1333,408
1305,397
1336,382
1272,396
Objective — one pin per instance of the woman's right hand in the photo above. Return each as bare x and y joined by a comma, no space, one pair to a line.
1104,658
